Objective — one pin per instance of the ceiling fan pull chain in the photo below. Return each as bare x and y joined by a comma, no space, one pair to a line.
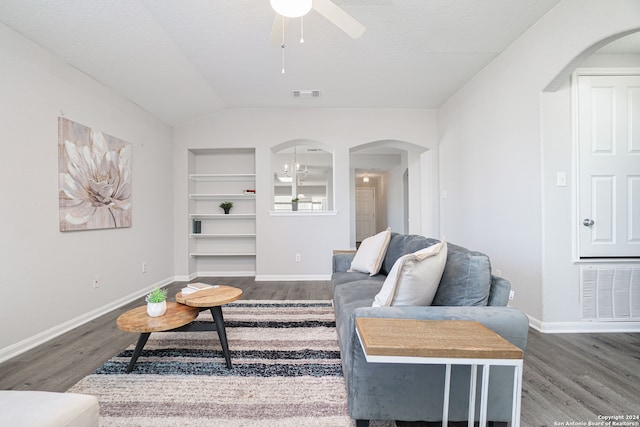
282,59
301,29
283,45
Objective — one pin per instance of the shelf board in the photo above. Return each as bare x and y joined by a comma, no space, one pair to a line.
222,216
222,176
214,236
222,254
237,196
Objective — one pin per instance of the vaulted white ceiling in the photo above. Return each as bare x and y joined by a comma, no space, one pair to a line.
184,59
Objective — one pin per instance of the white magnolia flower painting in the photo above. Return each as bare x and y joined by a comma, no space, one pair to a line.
94,178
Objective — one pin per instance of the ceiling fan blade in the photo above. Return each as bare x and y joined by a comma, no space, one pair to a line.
276,30
339,18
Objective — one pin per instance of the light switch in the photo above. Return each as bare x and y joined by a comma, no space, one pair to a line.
561,179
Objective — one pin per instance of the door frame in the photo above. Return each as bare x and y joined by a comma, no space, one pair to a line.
576,218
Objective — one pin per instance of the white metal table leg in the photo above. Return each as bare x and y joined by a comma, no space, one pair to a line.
472,395
484,395
517,395
447,388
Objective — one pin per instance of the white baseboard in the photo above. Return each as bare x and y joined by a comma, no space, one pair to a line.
185,278
262,277
27,344
583,327
224,274
289,278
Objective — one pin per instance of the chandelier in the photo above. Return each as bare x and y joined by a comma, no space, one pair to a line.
300,172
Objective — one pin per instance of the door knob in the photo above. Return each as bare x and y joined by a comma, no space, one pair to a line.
587,222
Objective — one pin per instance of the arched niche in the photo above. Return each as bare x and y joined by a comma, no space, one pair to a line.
302,171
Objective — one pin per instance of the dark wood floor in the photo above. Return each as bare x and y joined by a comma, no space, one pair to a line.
579,377
567,377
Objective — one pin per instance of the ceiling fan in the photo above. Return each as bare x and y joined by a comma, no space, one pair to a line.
299,8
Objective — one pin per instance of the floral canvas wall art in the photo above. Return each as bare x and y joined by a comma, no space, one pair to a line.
94,176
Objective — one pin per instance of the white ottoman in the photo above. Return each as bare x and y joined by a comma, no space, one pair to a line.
42,408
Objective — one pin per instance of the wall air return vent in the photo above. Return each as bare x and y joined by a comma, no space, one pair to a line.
305,93
610,293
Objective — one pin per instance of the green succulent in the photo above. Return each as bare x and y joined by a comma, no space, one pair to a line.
157,295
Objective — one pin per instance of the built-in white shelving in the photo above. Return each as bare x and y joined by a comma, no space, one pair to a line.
240,196
221,236
221,254
221,216
222,176
217,175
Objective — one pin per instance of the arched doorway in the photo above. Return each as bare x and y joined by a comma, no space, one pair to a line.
387,178
564,216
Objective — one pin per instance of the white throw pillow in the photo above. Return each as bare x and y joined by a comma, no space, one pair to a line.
371,252
414,278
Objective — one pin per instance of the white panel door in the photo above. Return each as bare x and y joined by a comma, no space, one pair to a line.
365,213
609,166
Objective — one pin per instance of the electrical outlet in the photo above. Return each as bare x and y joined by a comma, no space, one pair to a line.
96,282
512,295
144,266
297,257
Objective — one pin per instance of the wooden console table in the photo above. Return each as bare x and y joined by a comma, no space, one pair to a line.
444,342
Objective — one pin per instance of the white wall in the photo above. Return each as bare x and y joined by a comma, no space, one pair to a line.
609,60
395,198
501,145
314,237
46,275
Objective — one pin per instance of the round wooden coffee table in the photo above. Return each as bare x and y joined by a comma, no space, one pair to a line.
137,320
213,299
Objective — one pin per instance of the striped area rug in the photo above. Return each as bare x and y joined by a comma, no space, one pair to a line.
286,372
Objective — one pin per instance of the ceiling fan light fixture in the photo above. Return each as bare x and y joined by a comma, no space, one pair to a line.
291,8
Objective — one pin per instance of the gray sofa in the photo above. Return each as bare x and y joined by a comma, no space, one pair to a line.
405,392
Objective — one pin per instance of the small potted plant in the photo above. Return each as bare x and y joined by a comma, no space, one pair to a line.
156,302
226,206
294,204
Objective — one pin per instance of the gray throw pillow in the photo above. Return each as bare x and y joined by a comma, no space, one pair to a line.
466,280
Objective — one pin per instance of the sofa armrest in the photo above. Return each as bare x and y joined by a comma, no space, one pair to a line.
44,408
499,291
342,260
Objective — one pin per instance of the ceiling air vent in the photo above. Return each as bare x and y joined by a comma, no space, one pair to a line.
305,93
